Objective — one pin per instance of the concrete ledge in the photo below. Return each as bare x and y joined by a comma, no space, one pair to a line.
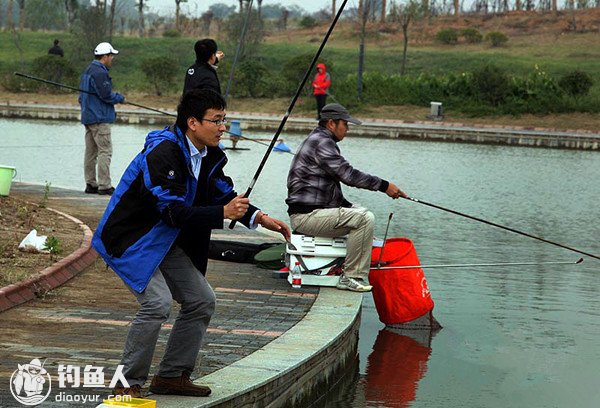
54,275
292,369
390,129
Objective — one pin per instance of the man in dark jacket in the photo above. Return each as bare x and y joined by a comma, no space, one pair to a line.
315,201
56,49
203,73
155,233
97,113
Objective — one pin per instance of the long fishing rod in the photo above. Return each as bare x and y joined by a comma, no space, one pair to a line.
126,102
292,104
87,92
238,49
500,226
580,260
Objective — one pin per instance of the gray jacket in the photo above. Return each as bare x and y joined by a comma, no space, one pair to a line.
316,172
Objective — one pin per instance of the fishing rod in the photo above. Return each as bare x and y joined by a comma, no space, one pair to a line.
500,226
87,92
126,102
291,107
580,260
238,49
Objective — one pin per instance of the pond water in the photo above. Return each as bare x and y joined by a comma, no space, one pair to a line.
512,337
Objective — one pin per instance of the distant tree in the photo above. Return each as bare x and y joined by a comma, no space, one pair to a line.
364,8
71,7
141,23
177,11
207,18
456,8
46,15
333,9
221,10
259,2
283,20
9,15
111,18
404,14
89,29
21,14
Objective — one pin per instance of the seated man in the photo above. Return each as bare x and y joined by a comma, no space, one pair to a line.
315,201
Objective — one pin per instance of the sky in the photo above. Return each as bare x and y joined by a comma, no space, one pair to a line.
200,6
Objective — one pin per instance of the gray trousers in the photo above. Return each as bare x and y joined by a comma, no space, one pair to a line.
98,153
357,223
175,278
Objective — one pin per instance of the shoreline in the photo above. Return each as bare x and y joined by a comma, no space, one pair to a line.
436,131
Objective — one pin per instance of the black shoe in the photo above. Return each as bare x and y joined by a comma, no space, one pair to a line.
89,189
106,191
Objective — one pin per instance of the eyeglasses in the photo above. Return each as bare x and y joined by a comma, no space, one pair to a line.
217,122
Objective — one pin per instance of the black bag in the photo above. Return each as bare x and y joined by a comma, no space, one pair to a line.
233,251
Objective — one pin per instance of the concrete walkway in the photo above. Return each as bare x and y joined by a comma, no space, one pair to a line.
267,343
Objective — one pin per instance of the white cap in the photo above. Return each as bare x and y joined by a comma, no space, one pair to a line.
104,48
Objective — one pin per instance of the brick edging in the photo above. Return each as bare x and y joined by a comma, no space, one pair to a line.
54,275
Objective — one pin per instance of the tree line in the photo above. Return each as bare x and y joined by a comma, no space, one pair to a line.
134,16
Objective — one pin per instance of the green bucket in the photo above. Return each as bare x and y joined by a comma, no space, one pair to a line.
7,174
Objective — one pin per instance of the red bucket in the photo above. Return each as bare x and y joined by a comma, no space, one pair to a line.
401,295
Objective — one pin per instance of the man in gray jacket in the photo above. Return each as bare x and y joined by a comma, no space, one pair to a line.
315,201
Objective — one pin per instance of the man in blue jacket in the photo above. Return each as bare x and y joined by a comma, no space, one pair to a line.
97,112
155,233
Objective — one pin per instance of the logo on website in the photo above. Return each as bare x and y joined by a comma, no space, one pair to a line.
30,384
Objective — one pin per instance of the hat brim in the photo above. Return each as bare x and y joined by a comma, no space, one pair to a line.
353,120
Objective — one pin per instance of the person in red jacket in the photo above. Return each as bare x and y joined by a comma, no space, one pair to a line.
320,84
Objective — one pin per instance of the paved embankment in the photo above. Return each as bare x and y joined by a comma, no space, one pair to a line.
267,343
435,131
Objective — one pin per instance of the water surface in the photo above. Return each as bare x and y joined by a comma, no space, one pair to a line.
513,336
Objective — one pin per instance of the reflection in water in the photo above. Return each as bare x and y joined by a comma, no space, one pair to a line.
395,367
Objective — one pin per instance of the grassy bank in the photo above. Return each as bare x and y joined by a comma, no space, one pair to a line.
554,54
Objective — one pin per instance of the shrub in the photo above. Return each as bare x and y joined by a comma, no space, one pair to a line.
54,68
171,33
496,38
308,22
159,73
576,83
491,84
250,79
472,35
447,36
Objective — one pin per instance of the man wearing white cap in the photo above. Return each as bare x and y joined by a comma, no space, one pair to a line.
97,102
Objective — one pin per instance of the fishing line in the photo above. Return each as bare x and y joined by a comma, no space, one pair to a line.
500,226
291,107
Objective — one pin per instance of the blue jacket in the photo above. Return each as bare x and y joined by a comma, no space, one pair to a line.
98,107
158,203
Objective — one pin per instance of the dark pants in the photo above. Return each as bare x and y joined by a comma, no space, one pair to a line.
321,101
176,278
